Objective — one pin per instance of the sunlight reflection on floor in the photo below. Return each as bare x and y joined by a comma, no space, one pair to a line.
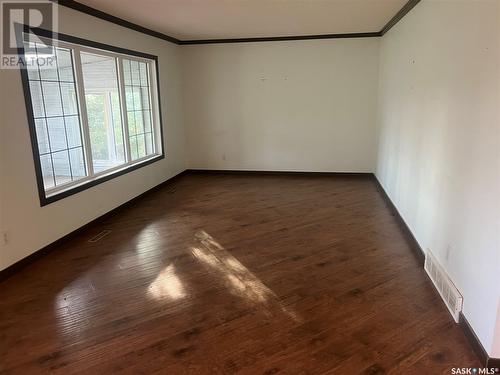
240,280
167,285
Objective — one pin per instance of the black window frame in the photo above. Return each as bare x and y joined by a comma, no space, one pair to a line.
44,199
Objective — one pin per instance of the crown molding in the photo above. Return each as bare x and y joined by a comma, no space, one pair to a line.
133,26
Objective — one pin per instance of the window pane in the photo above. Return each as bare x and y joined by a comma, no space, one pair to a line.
42,136
48,71
147,121
145,97
137,92
47,173
134,153
62,169
77,161
103,110
73,131
149,143
126,72
52,98
139,125
144,74
70,105
131,123
118,128
32,68
57,120
141,146
57,135
37,99
129,98
136,98
65,65
134,69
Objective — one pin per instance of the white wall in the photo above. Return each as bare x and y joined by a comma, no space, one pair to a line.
495,353
31,227
296,105
439,143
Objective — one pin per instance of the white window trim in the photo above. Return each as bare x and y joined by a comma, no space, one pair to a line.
80,90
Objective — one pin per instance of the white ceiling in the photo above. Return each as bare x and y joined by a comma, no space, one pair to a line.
214,19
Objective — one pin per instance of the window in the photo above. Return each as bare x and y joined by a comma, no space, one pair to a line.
94,112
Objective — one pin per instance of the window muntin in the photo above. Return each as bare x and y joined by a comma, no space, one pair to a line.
136,82
57,120
92,117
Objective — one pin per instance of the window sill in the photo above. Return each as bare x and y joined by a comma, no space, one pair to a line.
50,197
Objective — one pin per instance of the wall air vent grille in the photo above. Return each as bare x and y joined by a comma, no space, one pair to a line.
449,293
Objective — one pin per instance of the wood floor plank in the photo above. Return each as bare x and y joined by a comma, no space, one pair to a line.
231,274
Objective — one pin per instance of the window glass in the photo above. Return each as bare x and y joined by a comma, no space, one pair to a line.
102,98
56,118
137,91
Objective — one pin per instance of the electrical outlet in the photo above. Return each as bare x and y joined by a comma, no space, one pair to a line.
4,238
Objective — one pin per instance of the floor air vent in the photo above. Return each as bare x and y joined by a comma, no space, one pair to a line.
449,293
100,235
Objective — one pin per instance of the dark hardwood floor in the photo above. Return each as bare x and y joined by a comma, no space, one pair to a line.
225,274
